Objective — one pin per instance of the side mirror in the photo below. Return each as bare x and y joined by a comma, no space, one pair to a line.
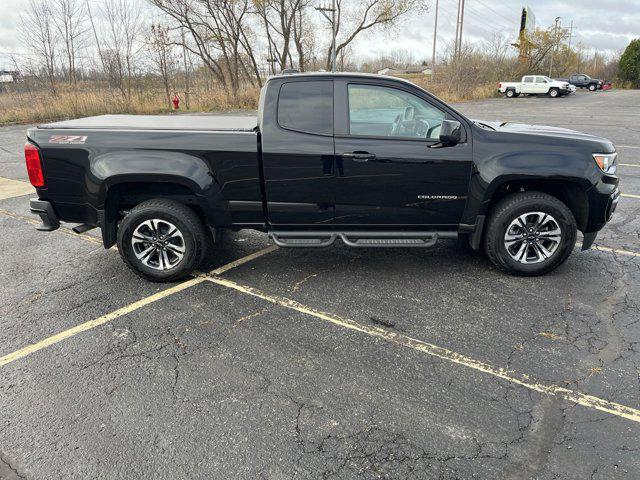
450,133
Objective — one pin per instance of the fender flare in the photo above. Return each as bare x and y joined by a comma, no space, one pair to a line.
150,166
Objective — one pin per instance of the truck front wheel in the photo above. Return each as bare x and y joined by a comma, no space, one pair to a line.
162,240
554,92
530,233
592,87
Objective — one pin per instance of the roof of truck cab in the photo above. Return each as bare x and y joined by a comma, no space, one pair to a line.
369,76
207,122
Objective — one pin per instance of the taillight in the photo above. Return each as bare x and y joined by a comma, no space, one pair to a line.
499,85
34,165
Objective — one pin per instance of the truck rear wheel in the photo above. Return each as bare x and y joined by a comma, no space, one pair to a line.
510,93
530,233
162,240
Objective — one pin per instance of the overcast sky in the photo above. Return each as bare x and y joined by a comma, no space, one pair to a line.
605,25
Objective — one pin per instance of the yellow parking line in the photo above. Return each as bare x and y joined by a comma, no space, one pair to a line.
243,260
628,195
627,146
67,231
616,251
522,380
629,164
47,342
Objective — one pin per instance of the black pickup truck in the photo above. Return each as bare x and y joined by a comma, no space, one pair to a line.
581,80
373,161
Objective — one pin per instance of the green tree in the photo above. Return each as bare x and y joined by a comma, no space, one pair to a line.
630,63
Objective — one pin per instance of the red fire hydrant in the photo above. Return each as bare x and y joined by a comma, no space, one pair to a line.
176,102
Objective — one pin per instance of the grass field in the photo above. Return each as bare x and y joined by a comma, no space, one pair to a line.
87,99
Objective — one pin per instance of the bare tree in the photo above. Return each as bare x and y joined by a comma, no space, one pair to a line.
219,33
70,22
283,25
303,37
41,38
163,58
354,17
122,40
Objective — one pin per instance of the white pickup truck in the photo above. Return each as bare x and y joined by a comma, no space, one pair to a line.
536,85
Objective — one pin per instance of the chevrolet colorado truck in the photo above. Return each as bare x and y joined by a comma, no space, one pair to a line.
536,85
581,80
373,161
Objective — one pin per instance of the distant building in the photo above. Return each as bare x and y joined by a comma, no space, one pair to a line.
9,76
422,70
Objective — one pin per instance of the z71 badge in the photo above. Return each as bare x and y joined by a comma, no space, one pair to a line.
68,139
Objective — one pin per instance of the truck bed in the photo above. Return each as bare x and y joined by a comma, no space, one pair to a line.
202,122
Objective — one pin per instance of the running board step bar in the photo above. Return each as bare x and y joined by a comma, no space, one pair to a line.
360,239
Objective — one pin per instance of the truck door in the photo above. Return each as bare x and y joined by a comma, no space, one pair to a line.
541,85
528,85
389,169
298,151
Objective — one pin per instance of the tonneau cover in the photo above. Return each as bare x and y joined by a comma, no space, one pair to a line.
213,122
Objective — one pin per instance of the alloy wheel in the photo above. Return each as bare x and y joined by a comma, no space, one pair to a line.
158,244
532,237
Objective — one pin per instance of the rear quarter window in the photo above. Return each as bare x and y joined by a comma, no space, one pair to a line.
306,107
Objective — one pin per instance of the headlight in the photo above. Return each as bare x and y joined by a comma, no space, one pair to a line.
606,162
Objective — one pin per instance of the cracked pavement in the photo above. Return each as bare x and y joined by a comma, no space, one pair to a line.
213,383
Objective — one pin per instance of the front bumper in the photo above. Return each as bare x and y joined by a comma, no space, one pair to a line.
602,207
47,214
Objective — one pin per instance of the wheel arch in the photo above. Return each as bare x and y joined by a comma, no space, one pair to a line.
125,192
572,193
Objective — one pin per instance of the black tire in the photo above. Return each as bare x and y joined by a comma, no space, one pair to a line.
554,92
592,87
510,93
195,240
507,211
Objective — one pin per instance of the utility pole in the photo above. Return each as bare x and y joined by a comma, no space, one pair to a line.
570,34
557,40
332,20
435,35
459,23
455,43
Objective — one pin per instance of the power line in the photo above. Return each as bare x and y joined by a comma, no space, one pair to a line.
511,21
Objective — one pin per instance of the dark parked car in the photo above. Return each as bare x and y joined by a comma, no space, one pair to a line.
373,161
581,80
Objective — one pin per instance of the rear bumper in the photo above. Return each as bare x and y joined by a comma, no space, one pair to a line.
47,214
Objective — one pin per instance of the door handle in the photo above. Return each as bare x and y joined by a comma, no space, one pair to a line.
359,156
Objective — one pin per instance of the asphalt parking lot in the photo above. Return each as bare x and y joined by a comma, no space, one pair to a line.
333,363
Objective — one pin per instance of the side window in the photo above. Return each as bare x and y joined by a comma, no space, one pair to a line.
540,80
306,107
388,112
528,80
